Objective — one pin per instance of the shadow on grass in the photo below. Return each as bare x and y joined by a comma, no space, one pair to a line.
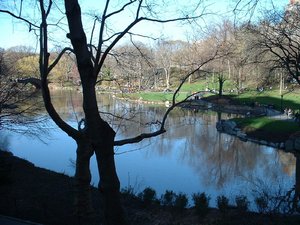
276,102
267,128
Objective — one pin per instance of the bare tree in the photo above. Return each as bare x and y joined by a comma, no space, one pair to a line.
278,39
94,134
165,59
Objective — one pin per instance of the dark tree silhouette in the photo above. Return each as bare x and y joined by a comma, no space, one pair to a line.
94,134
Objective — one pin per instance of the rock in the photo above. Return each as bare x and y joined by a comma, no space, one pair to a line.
228,127
281,145
219,125
289,145
237,129
240,134
256,141
262,142
273,145
297,144
230,124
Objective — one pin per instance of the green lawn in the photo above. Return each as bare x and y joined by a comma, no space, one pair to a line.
269,97
193,87
268,124
201,86
290,100
155,96
265,128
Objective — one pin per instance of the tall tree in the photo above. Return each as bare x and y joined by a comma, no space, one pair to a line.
278,39
94,134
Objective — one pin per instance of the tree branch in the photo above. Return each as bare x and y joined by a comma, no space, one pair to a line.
44,71
58,58
20,18
120,10
174,105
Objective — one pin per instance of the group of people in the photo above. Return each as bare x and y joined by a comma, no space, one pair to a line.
290,114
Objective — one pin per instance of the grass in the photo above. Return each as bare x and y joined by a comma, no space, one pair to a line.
268,124
267,97
290,100
155,96
201,86
266,128
193,87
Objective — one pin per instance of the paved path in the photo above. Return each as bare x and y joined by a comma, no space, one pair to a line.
5,220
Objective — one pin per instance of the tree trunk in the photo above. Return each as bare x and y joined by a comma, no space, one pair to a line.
167,75
83,202
99,134
101,137
221,82
109,184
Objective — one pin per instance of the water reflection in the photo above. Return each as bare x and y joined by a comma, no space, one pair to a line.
190,157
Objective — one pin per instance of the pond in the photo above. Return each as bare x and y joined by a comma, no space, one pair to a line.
190,157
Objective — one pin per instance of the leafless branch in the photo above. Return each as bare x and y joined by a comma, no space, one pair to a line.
49,8
21,18
58,58
122,9
44,71
162,129
141,53
143,36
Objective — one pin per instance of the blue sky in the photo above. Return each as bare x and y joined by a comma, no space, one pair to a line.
16,33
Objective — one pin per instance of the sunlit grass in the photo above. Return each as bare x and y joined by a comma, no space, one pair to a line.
156,96
193,87
268,124
203,84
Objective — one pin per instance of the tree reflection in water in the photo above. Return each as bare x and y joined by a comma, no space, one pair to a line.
190,157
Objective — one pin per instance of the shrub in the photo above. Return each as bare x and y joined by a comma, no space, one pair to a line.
128,191
223,203
261,204
168,198
148,195
181,201
201,202
242,203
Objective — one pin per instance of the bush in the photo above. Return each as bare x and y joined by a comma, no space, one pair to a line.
168,198
261,204
201,202
242,203
148,195
223,203
128,191
181,201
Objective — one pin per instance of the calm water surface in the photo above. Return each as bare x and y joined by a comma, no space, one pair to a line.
190,157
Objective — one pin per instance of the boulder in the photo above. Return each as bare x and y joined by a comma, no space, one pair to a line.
241,135
219,125
289,145
297,144
263,142
230,124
